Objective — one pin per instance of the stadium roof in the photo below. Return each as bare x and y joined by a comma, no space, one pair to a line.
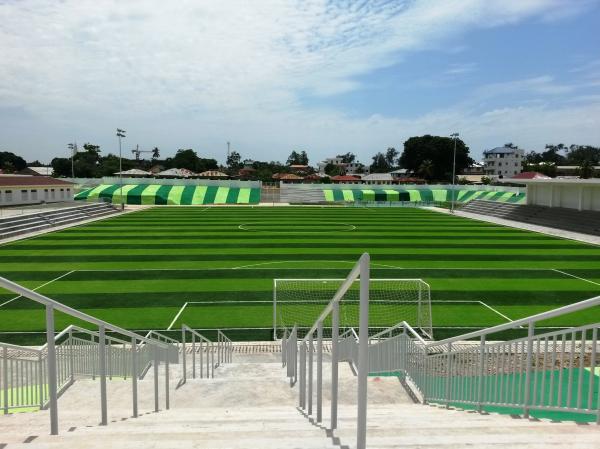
531,175
134,172
23,180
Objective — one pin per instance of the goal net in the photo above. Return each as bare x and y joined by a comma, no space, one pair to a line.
301,301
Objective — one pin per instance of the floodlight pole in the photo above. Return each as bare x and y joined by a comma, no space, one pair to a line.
120,134
73,148
455,136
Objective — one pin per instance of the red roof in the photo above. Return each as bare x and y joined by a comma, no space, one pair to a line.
18,181
290,177
345,178
530,175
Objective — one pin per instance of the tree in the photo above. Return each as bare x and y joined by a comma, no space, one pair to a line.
61,166
334,170
586,169
577,154
155,153
426,169
391,155
347,158
186,158
511,145
234,160
439,151
380,164
10,162
552,154
296,158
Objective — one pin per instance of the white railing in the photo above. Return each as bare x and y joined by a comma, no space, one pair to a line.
224,348
58,362
552,371
203,349
307,348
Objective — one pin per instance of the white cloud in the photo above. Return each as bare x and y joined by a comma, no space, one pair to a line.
224,66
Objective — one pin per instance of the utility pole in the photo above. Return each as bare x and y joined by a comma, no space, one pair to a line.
121,134
455,136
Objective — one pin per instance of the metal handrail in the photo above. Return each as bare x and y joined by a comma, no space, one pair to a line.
210,354
578,306
52,372
55,305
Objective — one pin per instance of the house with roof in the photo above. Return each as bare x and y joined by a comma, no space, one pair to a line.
16,190
503,162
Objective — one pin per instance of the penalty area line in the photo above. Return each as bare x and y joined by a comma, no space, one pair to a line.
496,311
576,277
177,316
40,286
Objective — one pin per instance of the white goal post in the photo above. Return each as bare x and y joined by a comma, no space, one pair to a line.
300,301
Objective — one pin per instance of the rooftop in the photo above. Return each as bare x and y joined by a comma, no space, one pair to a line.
23,180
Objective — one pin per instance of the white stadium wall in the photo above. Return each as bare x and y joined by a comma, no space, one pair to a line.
579,194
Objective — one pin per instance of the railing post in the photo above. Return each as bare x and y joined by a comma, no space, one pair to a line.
102,363
156,408
71,355
167,349
335,331
283,348
51,358
530,333
183,353
134,376
481,374
363,353
194,355
310,372
319,371
212,360
41,389
201,360
449,375
5,378
302,388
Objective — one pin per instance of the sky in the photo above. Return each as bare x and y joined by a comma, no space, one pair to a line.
274,76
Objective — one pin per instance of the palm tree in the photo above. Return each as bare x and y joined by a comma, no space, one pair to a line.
426,169
586,169
155,153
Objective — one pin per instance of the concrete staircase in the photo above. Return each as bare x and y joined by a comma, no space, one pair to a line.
24,224
586,222
251,405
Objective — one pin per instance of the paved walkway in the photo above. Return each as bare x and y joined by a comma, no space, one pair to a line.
585,238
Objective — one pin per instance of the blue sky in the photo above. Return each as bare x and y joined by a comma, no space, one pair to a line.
272,76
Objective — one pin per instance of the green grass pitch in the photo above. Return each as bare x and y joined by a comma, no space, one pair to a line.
138,269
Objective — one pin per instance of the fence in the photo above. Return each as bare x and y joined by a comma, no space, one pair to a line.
204,350
36,377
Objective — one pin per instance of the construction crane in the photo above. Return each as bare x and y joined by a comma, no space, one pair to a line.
137,152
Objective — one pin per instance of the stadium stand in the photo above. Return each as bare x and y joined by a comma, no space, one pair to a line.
164,194
327,193
23,224
586,222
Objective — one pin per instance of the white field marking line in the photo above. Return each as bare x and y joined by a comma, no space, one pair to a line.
576,277
177,316
350,228
496,311
304,261
40,286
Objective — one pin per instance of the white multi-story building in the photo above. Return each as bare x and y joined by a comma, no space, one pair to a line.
503,162
350,168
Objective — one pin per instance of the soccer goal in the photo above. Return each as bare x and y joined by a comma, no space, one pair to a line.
301,301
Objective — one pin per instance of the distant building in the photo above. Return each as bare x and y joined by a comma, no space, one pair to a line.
37,171
19,190
378,178
345,179
350,168
503,162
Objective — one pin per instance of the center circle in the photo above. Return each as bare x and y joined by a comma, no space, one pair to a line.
307,227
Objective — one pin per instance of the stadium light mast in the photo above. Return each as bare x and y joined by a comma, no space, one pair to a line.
121,134
73,148
455,137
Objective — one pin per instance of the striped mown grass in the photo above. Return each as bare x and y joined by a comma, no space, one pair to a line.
137,270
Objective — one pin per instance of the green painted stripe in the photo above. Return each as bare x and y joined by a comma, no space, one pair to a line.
328,195
348,195
338,195
244,196
368,195
107,193
83,194
199,195
95,192
393,195
174,197
134,196
148,195
439,195
255,196
187,195
414,195
233,194
209,196
221,196
162,195
120,194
